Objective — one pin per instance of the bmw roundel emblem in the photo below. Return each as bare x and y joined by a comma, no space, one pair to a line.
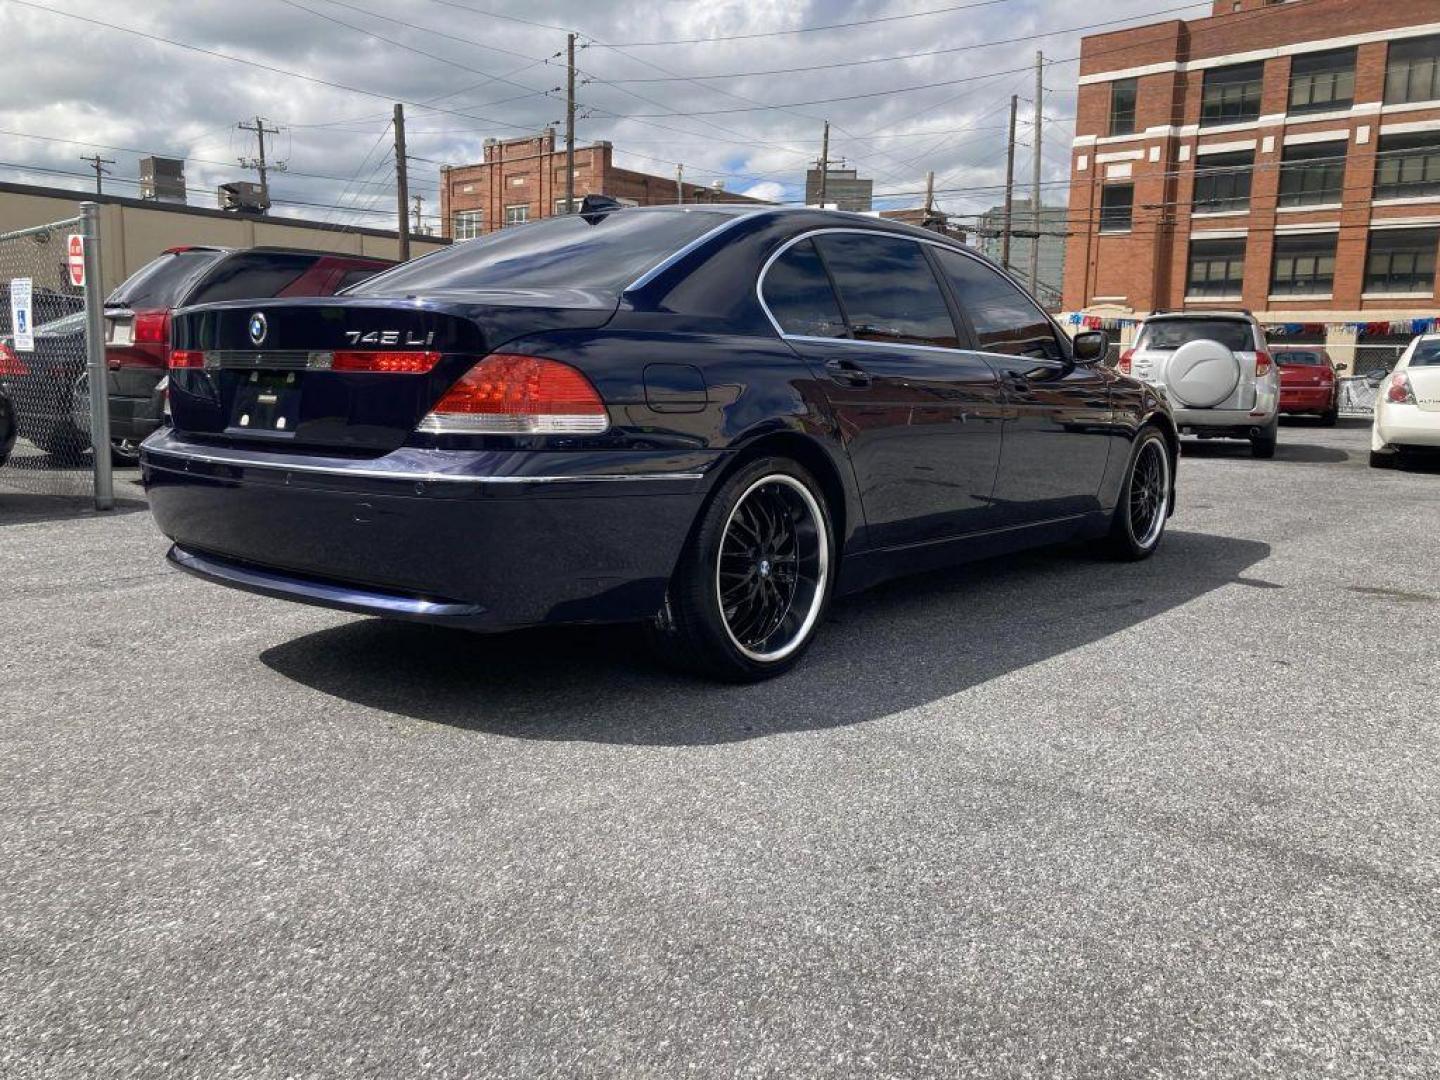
258,328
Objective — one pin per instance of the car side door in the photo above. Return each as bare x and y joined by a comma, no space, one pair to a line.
920,417
1059,429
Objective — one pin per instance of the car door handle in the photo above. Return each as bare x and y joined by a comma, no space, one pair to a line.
848,373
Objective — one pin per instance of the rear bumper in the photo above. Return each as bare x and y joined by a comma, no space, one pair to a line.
1406,425
136,407
1229,423
1306,399
480,539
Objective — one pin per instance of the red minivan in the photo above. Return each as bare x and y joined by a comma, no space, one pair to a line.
1307,382
137,315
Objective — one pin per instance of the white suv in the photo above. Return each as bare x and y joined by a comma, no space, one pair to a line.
1217,372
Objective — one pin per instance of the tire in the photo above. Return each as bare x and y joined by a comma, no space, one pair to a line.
1142,511
1263,446
769,514
66,445
1331,418
1383,461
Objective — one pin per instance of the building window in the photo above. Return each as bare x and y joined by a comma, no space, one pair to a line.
1408,166
1232,94
1222,182
1412,70
466,224
517,215
1217,268
1401,261
1122,106
1320,82
1117,207
1312,174
1304,265
560,207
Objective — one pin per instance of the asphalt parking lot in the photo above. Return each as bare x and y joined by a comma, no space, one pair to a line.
1041,817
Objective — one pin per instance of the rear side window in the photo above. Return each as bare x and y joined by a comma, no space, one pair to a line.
798,293
1172,333
354,277
251,276
161,282
1426,354
576,251
1005,319
888,290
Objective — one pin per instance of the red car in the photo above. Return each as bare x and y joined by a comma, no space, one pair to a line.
1307,382
137,315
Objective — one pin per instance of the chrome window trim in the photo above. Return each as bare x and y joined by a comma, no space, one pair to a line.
704,238
407,475
959,250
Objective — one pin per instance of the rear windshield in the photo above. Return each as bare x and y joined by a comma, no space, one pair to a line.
605,253
1172,333
1426,354
252,275
1311,359
161,282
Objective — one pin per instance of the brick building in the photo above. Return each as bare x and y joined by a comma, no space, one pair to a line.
523,180
1283,157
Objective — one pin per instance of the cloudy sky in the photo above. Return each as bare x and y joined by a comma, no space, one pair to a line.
711,85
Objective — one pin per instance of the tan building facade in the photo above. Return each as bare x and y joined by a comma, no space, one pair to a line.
523,180
134,231
1283,158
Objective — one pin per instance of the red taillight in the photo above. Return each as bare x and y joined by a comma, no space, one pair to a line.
1125,358
1263,363
10,364
401,363
1400,392
519,395
187,358
151,328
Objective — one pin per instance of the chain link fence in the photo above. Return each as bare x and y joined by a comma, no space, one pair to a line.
51,320
1371,364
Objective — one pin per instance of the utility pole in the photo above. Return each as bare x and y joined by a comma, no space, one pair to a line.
1008,220
679,185
98,163
824,162
570,124
1035,180
402,184
419,201
929,192
258,163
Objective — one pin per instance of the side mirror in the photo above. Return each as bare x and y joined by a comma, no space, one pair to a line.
1090,346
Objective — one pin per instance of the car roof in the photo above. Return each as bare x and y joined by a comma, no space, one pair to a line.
1237,316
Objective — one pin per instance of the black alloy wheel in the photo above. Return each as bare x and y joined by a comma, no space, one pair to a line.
754,580
1144,506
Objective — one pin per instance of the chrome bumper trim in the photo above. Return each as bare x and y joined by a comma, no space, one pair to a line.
408,476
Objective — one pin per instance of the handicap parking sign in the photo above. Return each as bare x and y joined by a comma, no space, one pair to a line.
22,329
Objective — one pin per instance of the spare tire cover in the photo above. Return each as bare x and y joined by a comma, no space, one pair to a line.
1202,374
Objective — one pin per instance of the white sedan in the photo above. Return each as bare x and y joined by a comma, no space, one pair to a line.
1407,407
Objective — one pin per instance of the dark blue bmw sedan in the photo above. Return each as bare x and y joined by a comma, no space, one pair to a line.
708,419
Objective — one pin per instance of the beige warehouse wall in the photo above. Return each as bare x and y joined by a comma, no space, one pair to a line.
134,232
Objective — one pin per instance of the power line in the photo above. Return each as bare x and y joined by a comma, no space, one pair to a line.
933,52
813,29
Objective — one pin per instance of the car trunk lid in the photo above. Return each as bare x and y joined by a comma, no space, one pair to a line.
347,375
1425,384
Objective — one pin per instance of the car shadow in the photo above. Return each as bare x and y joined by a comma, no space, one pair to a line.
23,508
901,645
1286,451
